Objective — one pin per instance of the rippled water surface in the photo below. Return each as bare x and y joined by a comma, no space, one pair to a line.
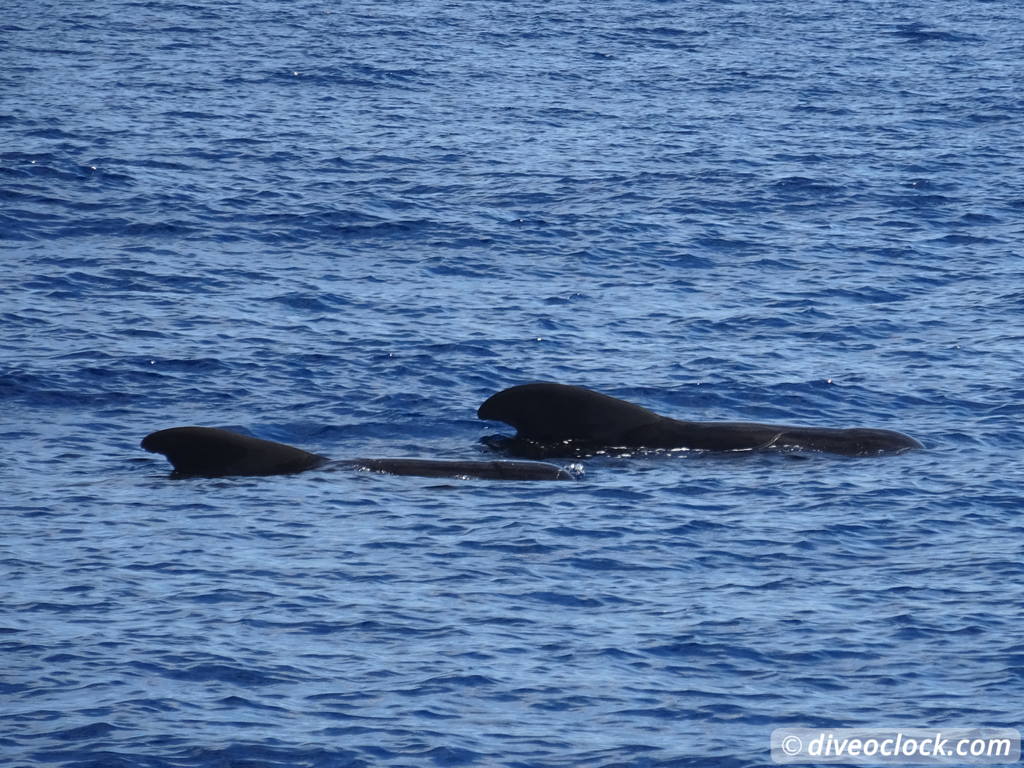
343,226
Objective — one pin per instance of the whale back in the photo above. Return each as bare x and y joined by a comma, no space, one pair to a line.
857,441
559,419
479,470
210,452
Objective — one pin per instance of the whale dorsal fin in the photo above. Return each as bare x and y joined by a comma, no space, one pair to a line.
210,452
548,412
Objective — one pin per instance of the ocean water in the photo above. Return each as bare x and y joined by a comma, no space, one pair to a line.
344,225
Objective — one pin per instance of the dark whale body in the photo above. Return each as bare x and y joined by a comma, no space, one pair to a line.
210,452
554,420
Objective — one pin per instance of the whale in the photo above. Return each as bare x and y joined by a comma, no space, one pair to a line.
213,452
562,420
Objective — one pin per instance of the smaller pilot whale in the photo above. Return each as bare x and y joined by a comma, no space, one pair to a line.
553,420
210,452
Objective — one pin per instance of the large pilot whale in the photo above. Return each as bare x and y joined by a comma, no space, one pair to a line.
211,452
560,420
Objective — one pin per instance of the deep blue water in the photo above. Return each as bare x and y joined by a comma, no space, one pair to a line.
343,226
